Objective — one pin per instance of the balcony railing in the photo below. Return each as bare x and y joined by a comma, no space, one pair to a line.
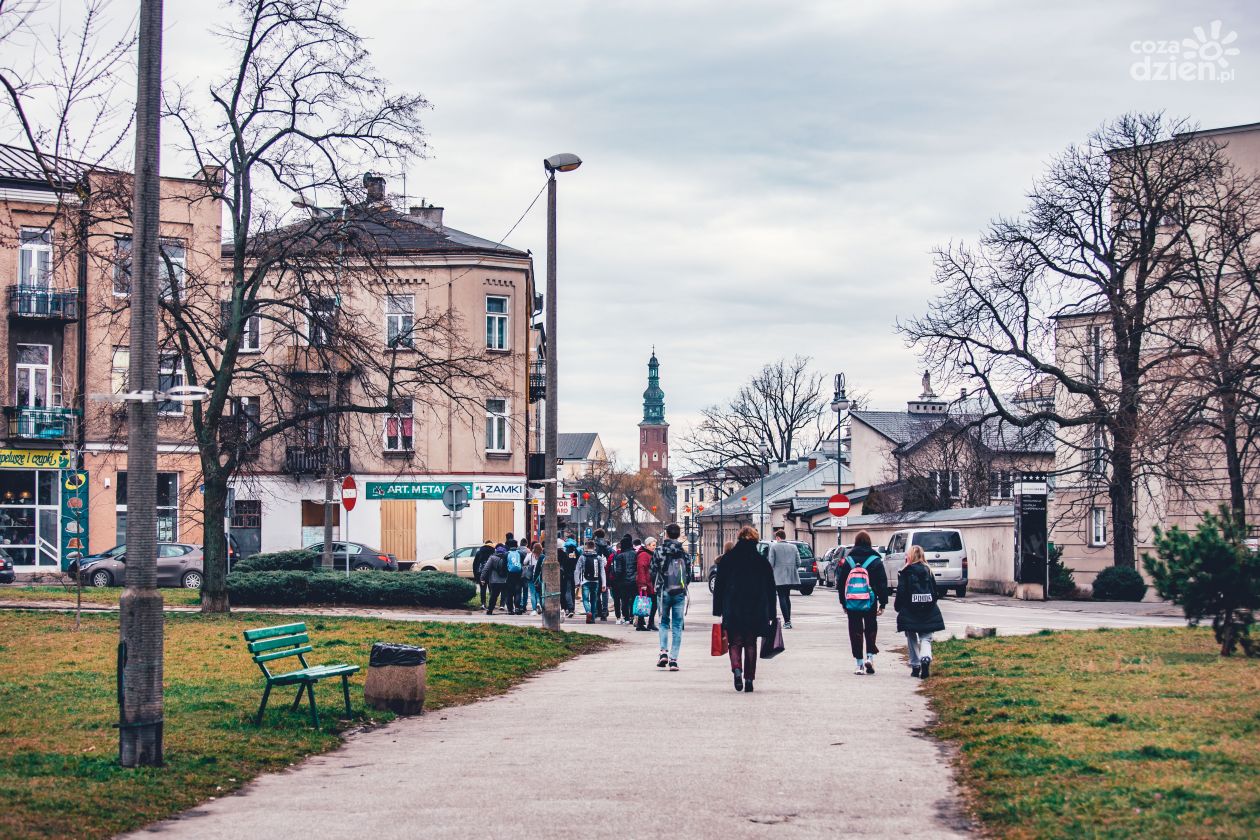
234,432
313,460
44,304
537,381
27,423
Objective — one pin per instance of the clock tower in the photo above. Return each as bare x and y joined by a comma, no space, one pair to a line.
654,431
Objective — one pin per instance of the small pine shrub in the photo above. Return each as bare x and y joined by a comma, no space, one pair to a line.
1119,583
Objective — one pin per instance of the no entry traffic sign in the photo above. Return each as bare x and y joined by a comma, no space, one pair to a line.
349,493
838,505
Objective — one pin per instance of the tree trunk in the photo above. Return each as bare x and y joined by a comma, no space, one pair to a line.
214,597
1233,458
1121,492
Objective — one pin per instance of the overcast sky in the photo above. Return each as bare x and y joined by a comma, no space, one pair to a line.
761,179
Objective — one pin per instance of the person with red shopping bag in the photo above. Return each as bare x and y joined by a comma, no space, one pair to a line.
744,596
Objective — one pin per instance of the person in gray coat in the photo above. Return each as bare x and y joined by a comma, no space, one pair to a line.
784,559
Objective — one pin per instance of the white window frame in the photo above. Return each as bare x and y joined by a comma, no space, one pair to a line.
400,320
172,511
120,369
498,324
1098,454
251,335
179,261
170,366
1098,527
400,442
30,371
316,330
35,258
1001,484
498,441
122,266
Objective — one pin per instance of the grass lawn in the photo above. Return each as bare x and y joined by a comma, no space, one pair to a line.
1113,733
58,751
173,596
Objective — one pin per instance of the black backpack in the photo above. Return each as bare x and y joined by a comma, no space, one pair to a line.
571,555
592,570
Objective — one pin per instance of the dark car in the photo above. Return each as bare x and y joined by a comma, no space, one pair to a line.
806,566
178,564
7,575
361,558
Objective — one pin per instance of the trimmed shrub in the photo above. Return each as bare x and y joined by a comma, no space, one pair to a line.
297,560
1119,583
375,588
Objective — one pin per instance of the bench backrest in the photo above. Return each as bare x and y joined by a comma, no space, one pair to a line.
268,644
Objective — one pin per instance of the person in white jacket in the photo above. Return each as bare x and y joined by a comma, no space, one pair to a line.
594,581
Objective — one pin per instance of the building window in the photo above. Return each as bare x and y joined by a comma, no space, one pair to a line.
251,328
946,484
687,495
35,258
314,428
496,322
319,321
1098,526
702,494
170,375
173,267
656,456
167,507
1094,361
496,425
120,370
400,317
32,374
1001,484
400,428
122,266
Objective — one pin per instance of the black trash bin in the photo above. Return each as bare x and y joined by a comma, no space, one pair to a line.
395,678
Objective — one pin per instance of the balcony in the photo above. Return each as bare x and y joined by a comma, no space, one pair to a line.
314,360
537,381
50,424
313,460
43,304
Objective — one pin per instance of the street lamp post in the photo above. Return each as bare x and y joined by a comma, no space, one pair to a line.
763,451
551,571
721,477
839,404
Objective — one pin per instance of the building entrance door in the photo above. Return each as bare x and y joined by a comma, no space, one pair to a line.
398,528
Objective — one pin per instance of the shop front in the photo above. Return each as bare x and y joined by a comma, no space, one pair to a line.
43,509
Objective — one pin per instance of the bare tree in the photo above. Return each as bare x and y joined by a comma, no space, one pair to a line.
780,406
1102,242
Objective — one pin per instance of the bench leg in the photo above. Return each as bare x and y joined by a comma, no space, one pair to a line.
298,700
310,695
262,706
345,691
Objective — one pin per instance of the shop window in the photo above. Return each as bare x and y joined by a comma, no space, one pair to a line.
167,507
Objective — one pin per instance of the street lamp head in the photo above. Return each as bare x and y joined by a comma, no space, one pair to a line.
840,402
563,162
721,474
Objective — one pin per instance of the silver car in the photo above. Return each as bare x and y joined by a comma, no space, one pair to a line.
178,564
944,549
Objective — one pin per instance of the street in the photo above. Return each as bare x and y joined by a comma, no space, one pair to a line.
608,742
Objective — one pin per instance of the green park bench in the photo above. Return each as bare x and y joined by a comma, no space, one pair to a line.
269,644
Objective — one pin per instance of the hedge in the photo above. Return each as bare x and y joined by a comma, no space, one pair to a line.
1119,583
298,560
295,588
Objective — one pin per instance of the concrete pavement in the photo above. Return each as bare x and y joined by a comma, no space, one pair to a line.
609,744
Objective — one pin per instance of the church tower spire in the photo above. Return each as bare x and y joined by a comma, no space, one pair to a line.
653,430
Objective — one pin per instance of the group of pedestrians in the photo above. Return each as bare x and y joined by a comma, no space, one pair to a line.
509,573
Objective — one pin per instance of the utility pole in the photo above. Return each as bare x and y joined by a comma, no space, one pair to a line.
140,608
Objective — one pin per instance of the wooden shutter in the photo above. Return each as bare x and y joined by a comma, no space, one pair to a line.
398,528
496,520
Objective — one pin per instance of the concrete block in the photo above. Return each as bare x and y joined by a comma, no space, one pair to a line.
980,632
1030,592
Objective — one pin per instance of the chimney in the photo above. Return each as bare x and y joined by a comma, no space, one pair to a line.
963,396
813,464
427,214
375,186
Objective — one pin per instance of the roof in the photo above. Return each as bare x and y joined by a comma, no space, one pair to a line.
741,473
912,518
909,430
575,446
19,164
781,484
901,427
384,230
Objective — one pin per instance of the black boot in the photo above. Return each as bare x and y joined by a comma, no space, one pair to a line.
748,686
739,679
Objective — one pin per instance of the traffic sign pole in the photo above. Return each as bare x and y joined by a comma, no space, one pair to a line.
349,496
838,507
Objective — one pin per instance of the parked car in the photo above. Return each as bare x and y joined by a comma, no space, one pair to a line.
946,554
446,563
178,564
361,558
807,566
7,575
830,562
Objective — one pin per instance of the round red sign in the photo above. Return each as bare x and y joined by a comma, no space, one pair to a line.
349,492
838,505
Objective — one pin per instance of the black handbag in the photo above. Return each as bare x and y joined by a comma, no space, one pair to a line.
772,643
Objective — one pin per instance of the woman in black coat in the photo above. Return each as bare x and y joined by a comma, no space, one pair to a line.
743,595
918,616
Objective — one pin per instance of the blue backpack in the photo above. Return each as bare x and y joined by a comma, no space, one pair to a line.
513,561
859,596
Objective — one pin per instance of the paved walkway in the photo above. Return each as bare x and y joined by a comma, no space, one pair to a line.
608,745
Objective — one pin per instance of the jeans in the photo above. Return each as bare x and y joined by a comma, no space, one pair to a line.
512,592
672,607
603,604
785,601
534,588
566,590
745,644
919,646
862,628
590,597
496,592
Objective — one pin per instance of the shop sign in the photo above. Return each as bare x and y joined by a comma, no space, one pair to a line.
424,490
74,516
505,490
32,459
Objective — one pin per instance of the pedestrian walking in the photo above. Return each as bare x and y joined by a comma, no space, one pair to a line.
593,580
604,549
625,571
918,614
670,573
644,585
534,577
570,554
479,565
495,574
863,587
743,595
784,559
512,588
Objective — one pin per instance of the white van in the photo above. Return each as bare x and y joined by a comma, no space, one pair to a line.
944,549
